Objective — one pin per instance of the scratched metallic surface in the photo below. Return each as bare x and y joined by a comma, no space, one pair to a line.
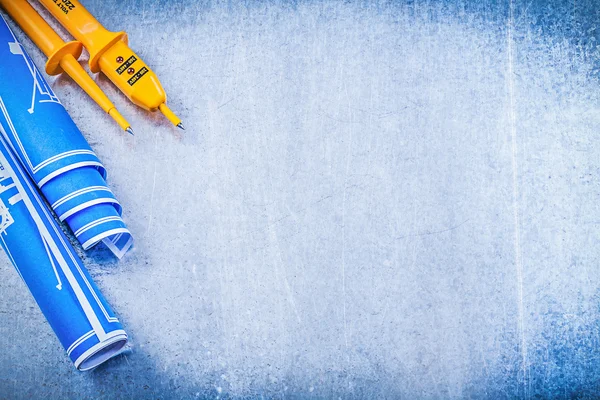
371,200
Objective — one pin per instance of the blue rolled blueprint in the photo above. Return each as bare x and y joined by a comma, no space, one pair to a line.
79,315
54,152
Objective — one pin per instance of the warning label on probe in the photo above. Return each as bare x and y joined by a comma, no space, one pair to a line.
64,5
137,76
126,64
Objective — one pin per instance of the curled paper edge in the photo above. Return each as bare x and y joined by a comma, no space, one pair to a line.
119,252
102,351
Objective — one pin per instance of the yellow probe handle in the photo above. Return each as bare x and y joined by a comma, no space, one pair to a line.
84,27
62,57
110,53
40,33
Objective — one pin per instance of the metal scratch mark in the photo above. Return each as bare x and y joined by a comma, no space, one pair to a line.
153,189
516,216
347,171
428,233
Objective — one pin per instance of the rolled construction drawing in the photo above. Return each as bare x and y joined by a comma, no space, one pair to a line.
76,310
54,152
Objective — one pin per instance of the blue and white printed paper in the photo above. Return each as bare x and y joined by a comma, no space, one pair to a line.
56,277
54,152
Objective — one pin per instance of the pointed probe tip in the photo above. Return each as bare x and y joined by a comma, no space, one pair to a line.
180,126
130,131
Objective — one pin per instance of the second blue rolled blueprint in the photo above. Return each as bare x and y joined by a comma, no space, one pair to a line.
76,310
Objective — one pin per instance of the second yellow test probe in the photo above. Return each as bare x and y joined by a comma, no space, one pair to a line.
110,53
62,57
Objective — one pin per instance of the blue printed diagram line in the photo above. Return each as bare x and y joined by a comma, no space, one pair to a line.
39,85
6,220
59,284
11,127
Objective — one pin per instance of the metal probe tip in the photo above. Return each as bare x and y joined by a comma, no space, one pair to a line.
180,126
130,131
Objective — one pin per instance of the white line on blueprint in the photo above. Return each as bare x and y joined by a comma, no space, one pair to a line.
39,83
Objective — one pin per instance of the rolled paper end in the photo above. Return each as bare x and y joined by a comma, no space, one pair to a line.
119,244
101,223
81,198
101,353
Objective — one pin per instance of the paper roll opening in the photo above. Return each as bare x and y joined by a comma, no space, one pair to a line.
101,353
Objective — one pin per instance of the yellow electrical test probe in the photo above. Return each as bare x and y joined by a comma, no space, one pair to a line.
62,57
110,53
